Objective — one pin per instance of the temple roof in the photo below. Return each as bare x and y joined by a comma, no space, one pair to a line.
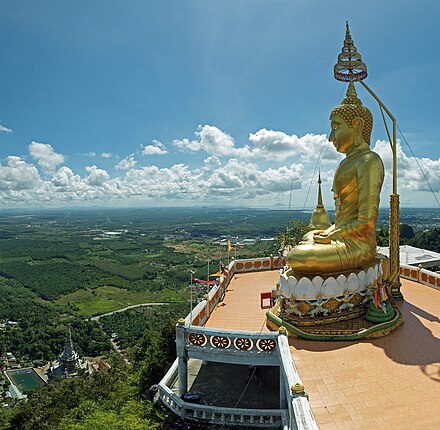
69,353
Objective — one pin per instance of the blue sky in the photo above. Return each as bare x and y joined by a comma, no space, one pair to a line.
203,102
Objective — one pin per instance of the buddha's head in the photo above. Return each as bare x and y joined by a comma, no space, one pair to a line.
351,123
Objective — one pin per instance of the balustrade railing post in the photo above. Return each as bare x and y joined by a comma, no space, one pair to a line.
207,307
182,356
283,379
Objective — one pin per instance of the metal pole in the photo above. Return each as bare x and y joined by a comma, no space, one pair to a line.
395,223
207,284
394,158
191,298
394,206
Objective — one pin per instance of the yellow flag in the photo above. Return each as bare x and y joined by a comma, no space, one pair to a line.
229,246
216,275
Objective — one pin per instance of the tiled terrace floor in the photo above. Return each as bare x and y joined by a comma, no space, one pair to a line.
387,383
240,308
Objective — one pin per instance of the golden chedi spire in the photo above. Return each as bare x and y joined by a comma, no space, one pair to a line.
320,219
350,62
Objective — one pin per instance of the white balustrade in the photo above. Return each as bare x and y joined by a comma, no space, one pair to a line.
236,347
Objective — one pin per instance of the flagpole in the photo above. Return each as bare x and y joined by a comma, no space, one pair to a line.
207,284
191,298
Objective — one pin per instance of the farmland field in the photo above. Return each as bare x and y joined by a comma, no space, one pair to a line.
101,300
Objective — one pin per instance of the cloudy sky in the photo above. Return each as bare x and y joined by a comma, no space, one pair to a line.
205,102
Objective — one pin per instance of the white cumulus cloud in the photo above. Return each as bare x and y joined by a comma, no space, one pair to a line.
175,182
45,155
65,179
413,173
211,163
90,154
213,141
157,148
126,163
277,145
246,180
18,175
106,155
267,144
97,177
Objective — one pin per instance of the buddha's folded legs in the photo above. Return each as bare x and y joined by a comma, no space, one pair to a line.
317,258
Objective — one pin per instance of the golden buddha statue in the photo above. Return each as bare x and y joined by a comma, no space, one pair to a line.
351,242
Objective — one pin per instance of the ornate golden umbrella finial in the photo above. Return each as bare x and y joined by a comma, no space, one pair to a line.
349,61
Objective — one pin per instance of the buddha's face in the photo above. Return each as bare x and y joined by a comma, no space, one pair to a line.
342,135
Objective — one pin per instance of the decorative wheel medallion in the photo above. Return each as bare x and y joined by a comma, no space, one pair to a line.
197,339
266,344
243,343
220,342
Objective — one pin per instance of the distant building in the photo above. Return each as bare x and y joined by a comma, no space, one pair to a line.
69,358
101,365
249,241
414,256
12,361
68,362
12,323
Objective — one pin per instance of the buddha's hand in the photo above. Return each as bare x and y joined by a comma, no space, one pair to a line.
307,239
326,237
322,239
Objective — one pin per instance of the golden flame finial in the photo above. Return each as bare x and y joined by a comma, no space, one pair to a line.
351,90
349,61
351,97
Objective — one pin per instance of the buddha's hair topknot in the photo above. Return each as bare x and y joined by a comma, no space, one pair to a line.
350,108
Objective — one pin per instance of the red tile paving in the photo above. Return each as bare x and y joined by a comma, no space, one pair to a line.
240,309
387,383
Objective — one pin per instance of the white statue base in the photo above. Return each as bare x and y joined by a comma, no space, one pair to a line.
330,295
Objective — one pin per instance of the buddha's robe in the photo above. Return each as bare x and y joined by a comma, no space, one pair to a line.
356,187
